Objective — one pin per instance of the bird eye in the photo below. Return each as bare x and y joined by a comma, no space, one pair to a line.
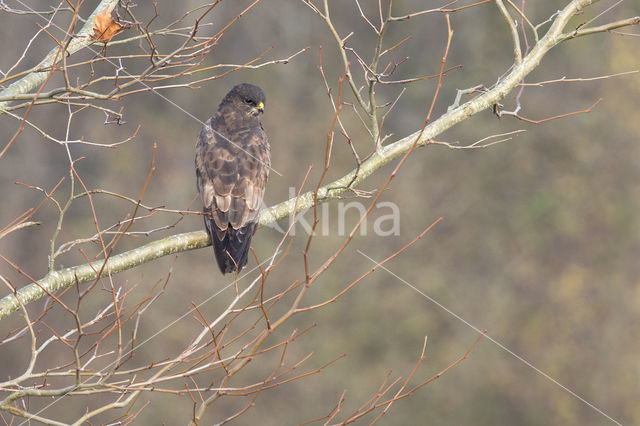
250,102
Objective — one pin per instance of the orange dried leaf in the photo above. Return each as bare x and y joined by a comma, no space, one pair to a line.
105,28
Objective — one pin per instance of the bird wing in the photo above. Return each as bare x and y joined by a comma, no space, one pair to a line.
232,174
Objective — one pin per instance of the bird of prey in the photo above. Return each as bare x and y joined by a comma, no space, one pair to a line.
232,166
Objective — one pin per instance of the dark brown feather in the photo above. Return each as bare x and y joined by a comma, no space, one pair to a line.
232,168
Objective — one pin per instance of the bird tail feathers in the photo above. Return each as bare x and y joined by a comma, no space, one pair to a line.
230,246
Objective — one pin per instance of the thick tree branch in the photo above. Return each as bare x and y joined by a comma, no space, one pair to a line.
178,243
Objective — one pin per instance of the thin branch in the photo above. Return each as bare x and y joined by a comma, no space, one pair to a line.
579,32
579,79
439,10
517,51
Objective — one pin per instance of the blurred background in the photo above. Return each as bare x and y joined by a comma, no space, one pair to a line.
540,242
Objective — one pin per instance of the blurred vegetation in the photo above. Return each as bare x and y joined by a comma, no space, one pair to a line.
539,245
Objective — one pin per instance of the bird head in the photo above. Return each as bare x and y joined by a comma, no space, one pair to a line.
248,98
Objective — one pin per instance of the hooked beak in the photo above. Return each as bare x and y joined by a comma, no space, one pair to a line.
256,110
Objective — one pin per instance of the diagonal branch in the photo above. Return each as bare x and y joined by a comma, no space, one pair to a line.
81,40
57,280
601,28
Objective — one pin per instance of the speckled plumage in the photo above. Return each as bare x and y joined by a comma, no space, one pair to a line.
232,166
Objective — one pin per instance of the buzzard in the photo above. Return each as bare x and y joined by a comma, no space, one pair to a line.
232,166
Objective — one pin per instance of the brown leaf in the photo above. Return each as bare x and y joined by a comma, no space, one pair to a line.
105,28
